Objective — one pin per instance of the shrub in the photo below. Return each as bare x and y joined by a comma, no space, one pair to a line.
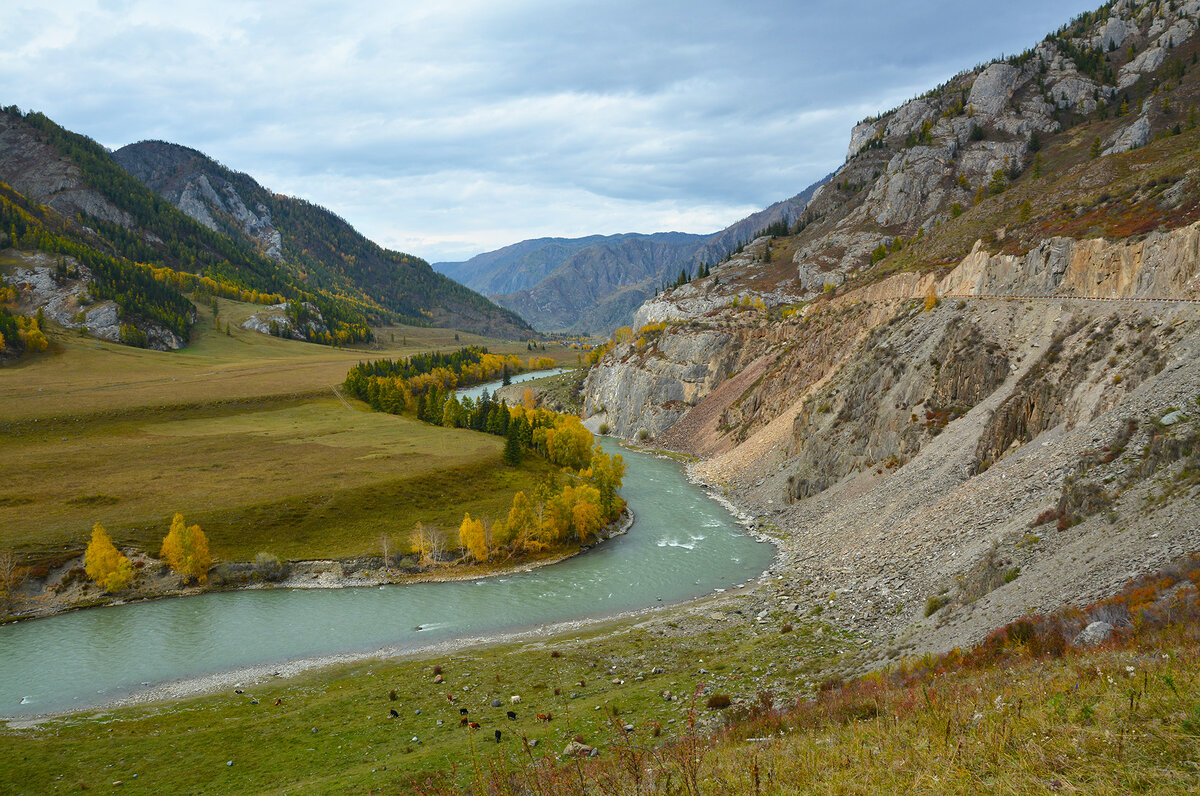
604,429
936,603
719,702
268,567
643,435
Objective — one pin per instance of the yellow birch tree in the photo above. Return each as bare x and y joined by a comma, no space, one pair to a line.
104,564
186,551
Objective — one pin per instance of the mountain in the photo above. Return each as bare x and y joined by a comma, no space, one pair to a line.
594,284
578,284
963,386
321,249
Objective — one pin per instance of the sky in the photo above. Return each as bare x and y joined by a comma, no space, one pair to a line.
449,128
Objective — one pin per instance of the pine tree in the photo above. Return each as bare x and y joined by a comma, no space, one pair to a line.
512,446
1095,150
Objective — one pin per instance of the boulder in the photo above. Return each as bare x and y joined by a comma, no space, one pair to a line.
577,749
1093,635
993,89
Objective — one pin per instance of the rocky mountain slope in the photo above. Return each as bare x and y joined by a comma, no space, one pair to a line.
966,386
321,248
97,250
595,284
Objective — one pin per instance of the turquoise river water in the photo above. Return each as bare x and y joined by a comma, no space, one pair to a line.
682,545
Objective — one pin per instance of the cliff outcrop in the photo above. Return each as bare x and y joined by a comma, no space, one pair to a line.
953,389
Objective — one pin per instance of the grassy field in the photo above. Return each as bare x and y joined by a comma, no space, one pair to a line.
332,731
1118,720
242,433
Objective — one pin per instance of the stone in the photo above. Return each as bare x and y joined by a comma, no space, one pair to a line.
993,88
1094,634
577,749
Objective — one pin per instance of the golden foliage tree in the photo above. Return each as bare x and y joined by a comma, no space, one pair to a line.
931,297
186,551
606,474
10,579
587,520
521,521
105,564
427,543
473,538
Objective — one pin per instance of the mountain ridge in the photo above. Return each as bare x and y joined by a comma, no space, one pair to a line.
594,283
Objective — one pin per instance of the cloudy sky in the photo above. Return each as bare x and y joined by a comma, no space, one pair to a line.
453,127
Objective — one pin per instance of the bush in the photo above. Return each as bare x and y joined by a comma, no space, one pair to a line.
719,702
604,429
643,435
936,603
268,567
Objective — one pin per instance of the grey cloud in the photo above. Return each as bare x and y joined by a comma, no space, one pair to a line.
570,113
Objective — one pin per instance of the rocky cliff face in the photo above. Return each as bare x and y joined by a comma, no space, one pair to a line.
188,180
41,173
989,315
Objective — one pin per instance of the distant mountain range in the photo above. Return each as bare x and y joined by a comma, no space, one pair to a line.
594,284
151,219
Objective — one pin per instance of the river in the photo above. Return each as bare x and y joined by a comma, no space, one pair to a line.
475,392
681,546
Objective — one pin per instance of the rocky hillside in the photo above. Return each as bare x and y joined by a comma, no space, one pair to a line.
595,284
324,251
965,385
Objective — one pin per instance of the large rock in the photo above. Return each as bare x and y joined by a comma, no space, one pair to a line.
1093,635
1146,61
912,189
1133,135
993,89
651,392
860,135
1113,33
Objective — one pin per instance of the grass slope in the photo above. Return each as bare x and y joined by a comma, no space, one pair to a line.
242,433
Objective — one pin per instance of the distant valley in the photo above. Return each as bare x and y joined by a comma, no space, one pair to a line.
596,283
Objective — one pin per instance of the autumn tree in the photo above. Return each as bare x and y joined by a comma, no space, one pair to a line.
473,538
105,564
606,473
521,521
10,579
427,543
931,297
185,549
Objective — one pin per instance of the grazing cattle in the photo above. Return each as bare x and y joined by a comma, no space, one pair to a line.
497,736
449,697
474,725
512,716
395,715
545,716
278,701
516,700
463,721
462,711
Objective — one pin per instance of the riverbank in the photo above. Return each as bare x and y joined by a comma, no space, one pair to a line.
64,589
